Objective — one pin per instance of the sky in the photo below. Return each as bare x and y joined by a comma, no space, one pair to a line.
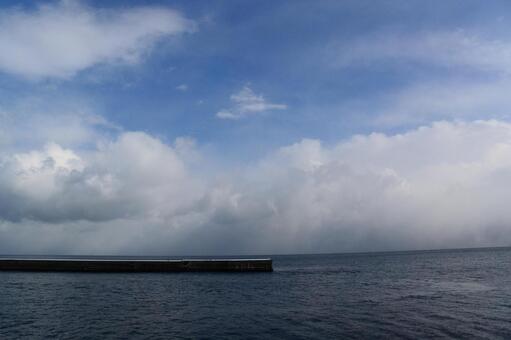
253,127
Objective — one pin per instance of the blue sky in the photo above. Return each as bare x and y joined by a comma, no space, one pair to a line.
341,121
285,51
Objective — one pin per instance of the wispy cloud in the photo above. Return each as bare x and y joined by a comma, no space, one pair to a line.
473,81
428,101
182,87
246,102
443,48
63,38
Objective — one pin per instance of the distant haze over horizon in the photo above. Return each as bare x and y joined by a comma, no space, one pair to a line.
256,256
219,128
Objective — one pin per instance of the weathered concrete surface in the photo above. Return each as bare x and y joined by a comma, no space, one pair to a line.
95,265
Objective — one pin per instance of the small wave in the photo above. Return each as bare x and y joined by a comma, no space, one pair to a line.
462,287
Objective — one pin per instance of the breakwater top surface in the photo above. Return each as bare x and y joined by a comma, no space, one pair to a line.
439,294
106,265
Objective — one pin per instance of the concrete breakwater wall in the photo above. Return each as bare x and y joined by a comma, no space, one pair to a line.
96,265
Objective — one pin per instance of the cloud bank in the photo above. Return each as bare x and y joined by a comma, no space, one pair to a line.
60,39
442,185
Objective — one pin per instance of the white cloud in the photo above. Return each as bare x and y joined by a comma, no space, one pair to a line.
443,185
245,103
133,175
63,38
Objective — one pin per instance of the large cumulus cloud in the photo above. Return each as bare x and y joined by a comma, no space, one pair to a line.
133,175
443,185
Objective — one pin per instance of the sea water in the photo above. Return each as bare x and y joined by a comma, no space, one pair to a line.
452,293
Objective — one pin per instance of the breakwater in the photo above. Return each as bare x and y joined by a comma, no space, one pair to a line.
97,265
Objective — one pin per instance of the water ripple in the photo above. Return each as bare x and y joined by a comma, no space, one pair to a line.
454,294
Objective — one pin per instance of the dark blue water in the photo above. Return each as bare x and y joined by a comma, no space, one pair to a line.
413,294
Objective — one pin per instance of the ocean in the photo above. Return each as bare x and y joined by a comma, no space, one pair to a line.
446,294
